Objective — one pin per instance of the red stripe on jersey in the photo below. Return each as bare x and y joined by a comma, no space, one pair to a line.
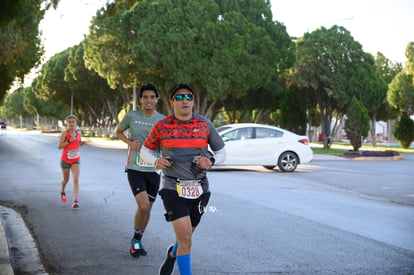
184,143
129,156
171,133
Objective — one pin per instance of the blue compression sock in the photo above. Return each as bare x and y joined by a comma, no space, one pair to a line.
174,250
184,264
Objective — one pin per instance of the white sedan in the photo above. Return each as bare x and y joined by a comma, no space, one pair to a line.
265,145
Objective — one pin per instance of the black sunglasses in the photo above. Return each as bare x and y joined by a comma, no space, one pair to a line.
181,97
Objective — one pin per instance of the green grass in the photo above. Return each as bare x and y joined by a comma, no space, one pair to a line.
335,152
101,138
341,148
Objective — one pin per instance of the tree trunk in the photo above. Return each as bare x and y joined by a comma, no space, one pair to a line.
373,130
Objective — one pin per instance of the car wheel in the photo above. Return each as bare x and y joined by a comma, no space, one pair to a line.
288,161
269,167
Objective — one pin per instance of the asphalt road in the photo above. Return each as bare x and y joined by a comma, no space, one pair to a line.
329,217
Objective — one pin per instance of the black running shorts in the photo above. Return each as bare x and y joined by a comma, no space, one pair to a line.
178,207
144,181
66,165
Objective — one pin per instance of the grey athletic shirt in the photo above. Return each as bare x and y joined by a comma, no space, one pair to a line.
139,126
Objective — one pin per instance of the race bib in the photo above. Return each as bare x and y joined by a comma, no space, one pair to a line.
73,154
143,163
189,189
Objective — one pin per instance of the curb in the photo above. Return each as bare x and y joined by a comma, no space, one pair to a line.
5,264
115,144
378,158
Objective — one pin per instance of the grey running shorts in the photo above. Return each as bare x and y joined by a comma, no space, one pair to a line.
66,165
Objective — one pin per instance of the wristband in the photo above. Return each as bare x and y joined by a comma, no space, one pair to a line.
212,161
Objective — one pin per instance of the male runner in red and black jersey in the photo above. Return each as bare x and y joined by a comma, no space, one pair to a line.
183,139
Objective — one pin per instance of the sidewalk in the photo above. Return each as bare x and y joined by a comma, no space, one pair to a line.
5,265
321,157
21,245
106,143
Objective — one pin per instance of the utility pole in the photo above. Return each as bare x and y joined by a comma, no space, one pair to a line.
71,104
134,98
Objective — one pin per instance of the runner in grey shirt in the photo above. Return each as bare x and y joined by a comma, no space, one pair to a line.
142,176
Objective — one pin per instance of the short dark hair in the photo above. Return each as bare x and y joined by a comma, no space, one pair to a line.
149,87
178,87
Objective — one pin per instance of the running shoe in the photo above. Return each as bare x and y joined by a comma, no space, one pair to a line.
63,197
167,268
137,249
75,204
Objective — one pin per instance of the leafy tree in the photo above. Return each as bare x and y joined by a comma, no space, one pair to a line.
401,93
401,89
14,105
65,79
20,44
388,71
386,67
367,85
25,104
256,106
50,83
372,90
46,110
404,131
221,48
305,101
91,91
28,102
10,9
332,66
108,52
356,123
293,114
409,53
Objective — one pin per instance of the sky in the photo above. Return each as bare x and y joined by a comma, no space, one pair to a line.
379,25
67,25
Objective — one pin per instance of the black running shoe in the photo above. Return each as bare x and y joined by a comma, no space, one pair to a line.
167,268
137,248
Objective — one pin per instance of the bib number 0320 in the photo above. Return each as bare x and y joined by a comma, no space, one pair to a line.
189,189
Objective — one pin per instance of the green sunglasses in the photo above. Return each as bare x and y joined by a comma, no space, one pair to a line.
181,97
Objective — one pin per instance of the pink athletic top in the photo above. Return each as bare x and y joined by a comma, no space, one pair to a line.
71,153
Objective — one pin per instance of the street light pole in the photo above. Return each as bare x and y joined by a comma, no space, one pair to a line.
339,19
